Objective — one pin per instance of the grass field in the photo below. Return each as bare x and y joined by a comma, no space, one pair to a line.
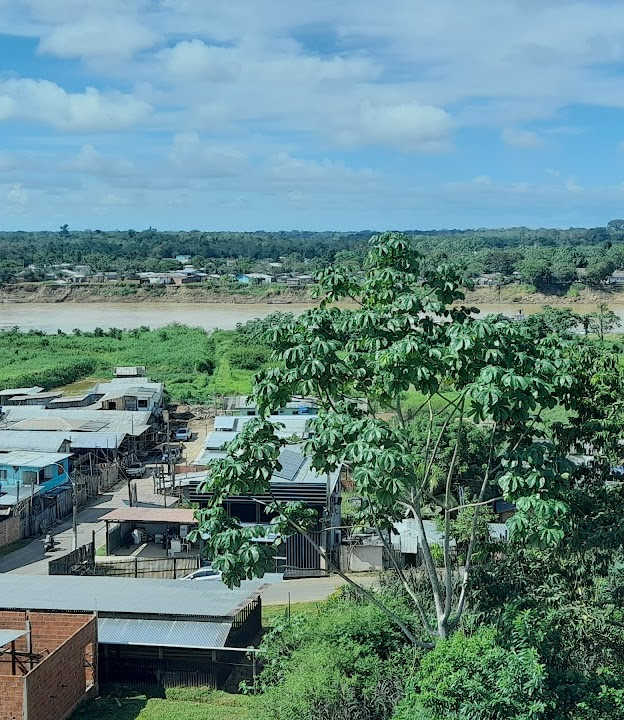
194,365
120,703
173,704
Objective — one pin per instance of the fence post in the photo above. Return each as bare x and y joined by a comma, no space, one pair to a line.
175,574
136,567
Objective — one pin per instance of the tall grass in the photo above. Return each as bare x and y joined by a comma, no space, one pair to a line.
194,364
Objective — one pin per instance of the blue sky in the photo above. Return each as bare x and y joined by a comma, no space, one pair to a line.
300,114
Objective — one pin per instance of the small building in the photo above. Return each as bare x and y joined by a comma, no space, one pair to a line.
49,663
244,405
131,371
70,401
255,279
130,394
152,632
13,392
296,481
51,441
616,278
489,280
29,469
165,528
40,398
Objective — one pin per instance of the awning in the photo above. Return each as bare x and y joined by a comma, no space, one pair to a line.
163,633
9,636
174,516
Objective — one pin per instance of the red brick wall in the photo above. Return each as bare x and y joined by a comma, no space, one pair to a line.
59,683
11,697
55,686
9,530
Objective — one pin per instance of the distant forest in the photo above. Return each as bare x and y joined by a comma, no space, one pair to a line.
541,257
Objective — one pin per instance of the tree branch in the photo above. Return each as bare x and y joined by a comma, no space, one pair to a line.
358,588
447,523
405,583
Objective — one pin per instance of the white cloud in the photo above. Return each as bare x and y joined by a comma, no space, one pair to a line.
17,197
192,157
92,162
406,126
523,139
98,35
44,102
194,60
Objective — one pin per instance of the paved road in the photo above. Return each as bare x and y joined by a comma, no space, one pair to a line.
30,559
309,589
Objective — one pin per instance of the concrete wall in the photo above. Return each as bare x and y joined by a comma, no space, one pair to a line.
9,530
361,558
64,677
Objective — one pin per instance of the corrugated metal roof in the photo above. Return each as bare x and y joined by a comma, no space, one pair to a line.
126,596
99,440
25,412
225,422
163,633
205,456
156,515
20,391
50,441
216,440
8,636
18,458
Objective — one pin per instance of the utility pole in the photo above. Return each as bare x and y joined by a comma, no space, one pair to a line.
74,513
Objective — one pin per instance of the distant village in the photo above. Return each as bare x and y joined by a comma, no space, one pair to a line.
72,274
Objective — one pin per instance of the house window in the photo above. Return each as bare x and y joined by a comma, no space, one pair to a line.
48,472
3,474
30,477
142,403
251,412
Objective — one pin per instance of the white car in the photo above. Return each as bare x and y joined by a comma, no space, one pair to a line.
205,573
135,469
183,434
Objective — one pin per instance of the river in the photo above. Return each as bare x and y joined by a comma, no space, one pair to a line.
51,317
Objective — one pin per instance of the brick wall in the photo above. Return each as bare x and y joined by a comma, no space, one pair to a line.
11,697
9,530
58,684
64,677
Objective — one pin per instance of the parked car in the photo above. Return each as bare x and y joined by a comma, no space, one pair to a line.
171,455
182,434
205,573
135,469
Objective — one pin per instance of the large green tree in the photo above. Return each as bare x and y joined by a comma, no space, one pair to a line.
407,334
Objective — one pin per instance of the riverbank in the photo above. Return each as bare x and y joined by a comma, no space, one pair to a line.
520,295
196,294
132,293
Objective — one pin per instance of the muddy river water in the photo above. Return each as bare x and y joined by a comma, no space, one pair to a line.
51,317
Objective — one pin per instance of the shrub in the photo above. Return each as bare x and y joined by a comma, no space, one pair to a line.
475,678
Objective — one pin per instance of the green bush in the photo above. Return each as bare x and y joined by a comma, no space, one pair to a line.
347,662
475,678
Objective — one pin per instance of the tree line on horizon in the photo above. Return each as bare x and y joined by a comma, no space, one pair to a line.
541,257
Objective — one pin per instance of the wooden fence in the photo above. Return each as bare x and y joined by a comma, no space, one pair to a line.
77,562
83,561
41,512
151,568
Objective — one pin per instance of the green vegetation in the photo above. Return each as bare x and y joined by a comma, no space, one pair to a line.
195,365
459,414
171,704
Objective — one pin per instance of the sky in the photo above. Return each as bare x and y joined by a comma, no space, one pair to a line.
310,114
